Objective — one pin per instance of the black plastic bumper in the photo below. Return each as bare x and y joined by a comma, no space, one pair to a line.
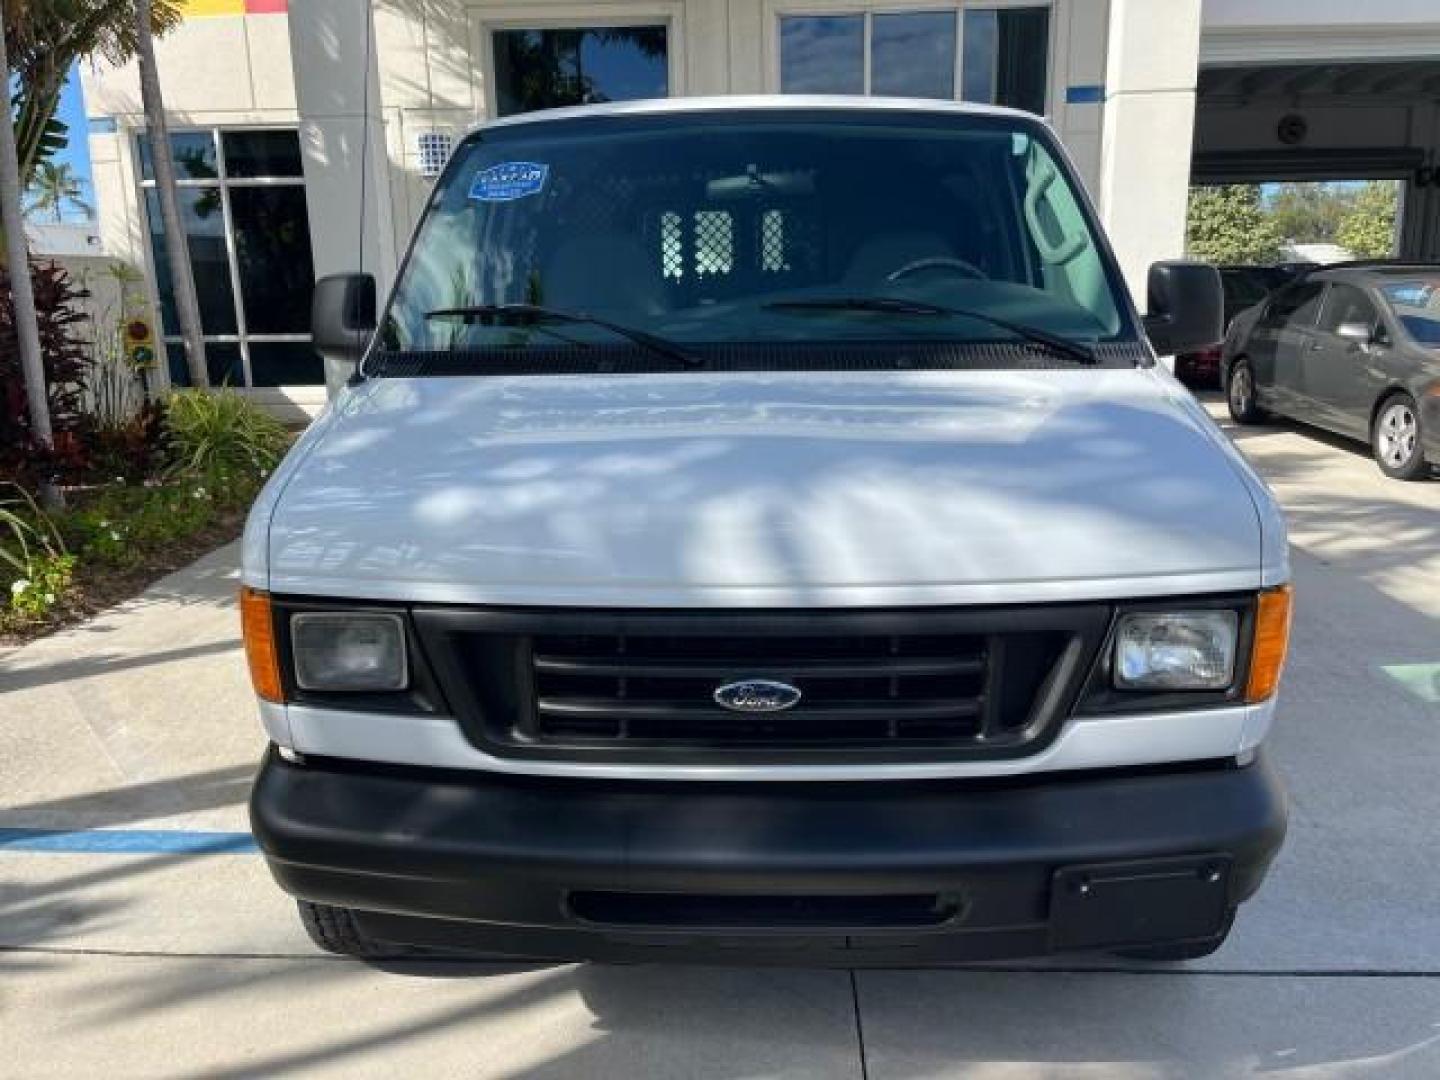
856,874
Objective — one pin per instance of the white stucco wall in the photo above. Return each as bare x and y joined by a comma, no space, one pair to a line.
1148,124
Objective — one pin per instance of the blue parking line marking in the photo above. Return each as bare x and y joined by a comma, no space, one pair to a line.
127,841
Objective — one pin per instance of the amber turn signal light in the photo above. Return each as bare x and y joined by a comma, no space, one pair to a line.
258,626
1272,642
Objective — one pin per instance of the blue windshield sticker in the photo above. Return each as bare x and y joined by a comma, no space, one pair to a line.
508,181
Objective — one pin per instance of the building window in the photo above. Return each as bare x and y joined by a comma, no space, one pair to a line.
1005,53
823,54
546,69
243,209
999,55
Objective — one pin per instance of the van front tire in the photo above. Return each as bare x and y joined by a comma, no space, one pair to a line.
334,930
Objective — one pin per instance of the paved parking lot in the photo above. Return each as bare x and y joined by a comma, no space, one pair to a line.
191,963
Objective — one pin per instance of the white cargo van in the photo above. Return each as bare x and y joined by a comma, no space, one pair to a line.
758,529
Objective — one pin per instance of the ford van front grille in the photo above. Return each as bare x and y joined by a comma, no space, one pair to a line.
762,686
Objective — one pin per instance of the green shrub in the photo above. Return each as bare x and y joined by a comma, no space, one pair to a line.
34,564
123,523
222,436
44,585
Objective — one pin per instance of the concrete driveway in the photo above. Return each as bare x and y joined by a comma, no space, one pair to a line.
178,957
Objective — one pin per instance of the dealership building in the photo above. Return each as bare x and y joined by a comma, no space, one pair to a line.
308,134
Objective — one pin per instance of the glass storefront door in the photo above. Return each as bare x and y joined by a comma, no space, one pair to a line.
243,209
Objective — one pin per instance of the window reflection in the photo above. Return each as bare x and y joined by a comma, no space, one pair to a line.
222,363
1006,56
285,363
822,54
251,179
546,69
203,220
194,154
261,153
272,245
913,55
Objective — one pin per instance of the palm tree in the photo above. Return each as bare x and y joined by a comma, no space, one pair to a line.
22,292
55,189
45,39
177,252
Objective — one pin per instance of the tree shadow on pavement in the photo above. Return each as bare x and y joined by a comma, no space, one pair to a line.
126,804
96,665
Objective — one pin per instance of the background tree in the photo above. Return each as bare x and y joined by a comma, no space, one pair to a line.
22,295
162,155
44,41
1309,213
1368,229
1227,224
54,189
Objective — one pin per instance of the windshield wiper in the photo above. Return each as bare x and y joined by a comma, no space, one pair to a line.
489,313
1078,351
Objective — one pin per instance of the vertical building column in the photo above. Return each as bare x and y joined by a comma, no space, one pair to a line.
1420,209
342,137
1078,91
1149,124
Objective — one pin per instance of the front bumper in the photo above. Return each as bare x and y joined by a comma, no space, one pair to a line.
848,875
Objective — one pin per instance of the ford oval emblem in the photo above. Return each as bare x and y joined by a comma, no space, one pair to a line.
757,696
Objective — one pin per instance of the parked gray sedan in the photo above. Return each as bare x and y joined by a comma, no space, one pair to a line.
1353,348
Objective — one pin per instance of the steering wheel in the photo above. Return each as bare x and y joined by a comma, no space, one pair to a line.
939,262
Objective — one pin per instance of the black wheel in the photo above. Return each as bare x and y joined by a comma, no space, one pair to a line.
1240,394
1395,439
334,930
1181,950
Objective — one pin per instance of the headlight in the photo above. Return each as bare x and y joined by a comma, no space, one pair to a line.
348,651
1182,650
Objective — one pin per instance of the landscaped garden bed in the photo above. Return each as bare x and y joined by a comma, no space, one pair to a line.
136,483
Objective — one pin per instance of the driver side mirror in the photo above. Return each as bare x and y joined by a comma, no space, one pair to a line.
1357,332
1186,308
343,315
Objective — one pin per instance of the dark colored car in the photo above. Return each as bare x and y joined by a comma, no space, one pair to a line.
1245,286
1354,349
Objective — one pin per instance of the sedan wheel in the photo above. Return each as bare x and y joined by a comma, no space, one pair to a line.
1396,440
1240,394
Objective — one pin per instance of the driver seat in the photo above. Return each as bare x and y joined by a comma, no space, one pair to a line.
880,256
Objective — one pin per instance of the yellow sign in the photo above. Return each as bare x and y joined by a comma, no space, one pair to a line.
202,8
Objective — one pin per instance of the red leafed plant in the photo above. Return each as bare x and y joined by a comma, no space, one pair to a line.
63,350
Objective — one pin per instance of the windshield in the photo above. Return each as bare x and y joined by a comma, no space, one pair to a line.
1416,304
734,229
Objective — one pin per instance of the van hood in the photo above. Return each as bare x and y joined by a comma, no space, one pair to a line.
772,490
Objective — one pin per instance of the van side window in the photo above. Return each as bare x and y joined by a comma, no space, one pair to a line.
1070,264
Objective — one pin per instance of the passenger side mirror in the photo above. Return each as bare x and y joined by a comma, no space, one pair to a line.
1358,332
343,316
1186,307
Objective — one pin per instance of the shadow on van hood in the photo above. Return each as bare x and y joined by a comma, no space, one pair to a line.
776,490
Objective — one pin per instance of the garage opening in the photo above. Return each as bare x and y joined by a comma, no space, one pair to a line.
1336,129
